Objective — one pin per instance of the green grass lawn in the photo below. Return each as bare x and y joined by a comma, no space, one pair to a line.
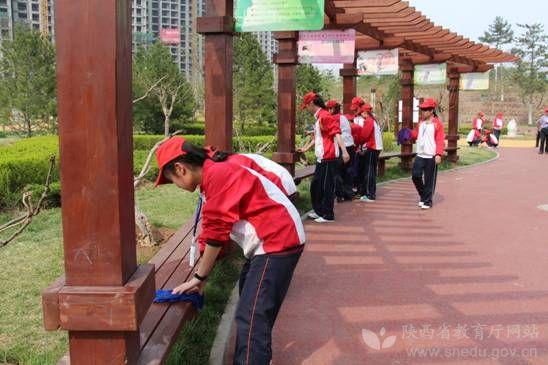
35,259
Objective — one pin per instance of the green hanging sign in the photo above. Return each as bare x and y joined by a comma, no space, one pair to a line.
279,15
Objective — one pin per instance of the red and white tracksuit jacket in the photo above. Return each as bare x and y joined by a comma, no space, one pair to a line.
498,124
243,205
268,168
439,136
477,124
325,130
372,135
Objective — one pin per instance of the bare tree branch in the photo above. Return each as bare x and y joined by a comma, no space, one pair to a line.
26,219
149,90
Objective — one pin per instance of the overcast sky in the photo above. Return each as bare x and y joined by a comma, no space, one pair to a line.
471,18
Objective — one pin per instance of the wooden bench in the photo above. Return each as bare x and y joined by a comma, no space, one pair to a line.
163,322
387,156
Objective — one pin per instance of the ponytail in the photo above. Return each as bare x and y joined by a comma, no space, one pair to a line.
195,156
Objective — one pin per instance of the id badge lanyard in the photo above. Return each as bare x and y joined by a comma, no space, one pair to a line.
194,243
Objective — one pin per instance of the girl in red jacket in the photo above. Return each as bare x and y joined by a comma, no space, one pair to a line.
430,138
237,197
372,136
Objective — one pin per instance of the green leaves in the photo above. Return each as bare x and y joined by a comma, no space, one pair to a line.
500,33
254,97
27,81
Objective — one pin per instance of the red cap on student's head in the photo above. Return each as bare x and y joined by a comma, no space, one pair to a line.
481,114
366,108
308,98
356,103
546,109
499,115
331,103
428,104
167,152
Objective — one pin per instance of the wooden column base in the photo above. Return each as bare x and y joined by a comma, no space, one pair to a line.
99,308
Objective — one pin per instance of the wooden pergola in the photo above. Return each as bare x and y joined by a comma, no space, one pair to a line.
104,297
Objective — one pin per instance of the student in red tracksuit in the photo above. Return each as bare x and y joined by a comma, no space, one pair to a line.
372,135
359,161
498,123
430,138
272,242
327,144
274,172
343,182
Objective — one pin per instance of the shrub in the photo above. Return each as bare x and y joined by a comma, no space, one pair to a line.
389,142
3,134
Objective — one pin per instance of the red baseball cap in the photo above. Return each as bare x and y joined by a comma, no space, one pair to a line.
331,103
167,152
481,114
366,108
428,104
307,99
499,115
356,103
546,109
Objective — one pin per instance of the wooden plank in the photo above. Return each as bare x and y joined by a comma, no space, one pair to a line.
171,245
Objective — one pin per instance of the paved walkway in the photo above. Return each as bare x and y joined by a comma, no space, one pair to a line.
466,282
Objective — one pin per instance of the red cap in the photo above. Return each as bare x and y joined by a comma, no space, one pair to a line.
356,103
428,104
499,115
366,108
481,114
167,152
546,109
308,98
331,103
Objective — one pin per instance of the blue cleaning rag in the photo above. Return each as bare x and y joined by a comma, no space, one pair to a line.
167,296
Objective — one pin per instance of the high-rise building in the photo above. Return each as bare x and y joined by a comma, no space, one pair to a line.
268,44
37,14
150,17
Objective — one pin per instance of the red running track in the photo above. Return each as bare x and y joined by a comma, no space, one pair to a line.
463,283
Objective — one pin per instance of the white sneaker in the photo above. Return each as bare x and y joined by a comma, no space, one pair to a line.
424,206
323,220
366,199
313,215
421,204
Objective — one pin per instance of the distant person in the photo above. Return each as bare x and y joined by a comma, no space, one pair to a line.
430,139
327,144
498,124
372,136
343,181
542,125
479,122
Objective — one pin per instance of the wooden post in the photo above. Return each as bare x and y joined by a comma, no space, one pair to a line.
104,295
349,75
407,94
218,26
453,127
287,61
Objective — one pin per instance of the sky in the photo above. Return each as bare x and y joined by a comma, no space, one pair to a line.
470,18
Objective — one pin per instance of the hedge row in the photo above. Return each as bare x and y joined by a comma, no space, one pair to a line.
26,162
251,130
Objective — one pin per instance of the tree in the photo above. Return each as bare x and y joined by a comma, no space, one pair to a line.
309,78
27,81
254,97
499,34
155,72
531,70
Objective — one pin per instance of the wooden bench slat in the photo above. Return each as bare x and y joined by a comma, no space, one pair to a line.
175,271
171,245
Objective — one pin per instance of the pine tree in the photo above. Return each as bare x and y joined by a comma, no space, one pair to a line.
254,97
27,81
531,71
499,34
